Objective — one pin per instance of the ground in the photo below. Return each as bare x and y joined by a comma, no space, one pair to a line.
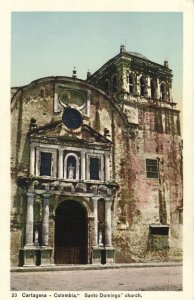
158,278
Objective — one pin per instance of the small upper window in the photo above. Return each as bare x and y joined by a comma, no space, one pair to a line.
152,168
142,86
163,91
94,168
131,84
45,163
153,89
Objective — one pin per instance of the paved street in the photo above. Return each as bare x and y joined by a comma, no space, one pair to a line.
167,278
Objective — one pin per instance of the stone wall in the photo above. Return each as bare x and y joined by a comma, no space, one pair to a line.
139,201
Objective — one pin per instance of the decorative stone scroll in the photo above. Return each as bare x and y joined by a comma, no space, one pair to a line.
76,98
54,185
66,187
102,189
94,189
81,187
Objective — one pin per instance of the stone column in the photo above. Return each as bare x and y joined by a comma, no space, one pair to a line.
60,164
83,166
158,89
30,219
45,220
125,85
170,92
148,87
37,166
32,159
107,167
108,225
95,203
138,85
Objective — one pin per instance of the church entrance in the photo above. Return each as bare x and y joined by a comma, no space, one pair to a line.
70,233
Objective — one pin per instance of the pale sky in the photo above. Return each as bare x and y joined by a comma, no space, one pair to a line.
51,44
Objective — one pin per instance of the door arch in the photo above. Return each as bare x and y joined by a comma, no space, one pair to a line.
70,233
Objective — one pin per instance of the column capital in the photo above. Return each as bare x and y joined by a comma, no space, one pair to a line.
96,198
31,194
46,195
46,198
33,145
108,199
83,151
60,149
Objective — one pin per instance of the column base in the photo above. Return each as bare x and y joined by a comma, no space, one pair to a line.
96,255
30,256
110,254
46,256
103,255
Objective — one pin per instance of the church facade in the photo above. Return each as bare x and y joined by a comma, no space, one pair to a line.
96,167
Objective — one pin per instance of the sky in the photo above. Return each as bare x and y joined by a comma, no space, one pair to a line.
52,43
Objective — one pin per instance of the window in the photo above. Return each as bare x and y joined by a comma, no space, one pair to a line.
153,89
131,84
163,91
152,168
142,86
159,229
94,168
45,163
72,118
158,238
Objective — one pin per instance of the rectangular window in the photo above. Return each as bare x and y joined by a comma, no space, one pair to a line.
158,237
45,163
94,168
152,168
159,230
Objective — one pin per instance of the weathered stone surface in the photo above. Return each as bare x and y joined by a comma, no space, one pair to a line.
141,128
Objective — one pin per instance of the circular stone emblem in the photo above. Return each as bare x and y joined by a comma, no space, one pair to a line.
72,118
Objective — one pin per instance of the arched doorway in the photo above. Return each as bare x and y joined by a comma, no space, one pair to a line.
70,233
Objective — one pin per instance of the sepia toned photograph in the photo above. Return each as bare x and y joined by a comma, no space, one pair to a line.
96,150
96,118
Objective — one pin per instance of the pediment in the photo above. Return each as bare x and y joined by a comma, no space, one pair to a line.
58,131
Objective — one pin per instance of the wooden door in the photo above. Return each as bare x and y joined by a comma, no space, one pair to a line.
70,233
